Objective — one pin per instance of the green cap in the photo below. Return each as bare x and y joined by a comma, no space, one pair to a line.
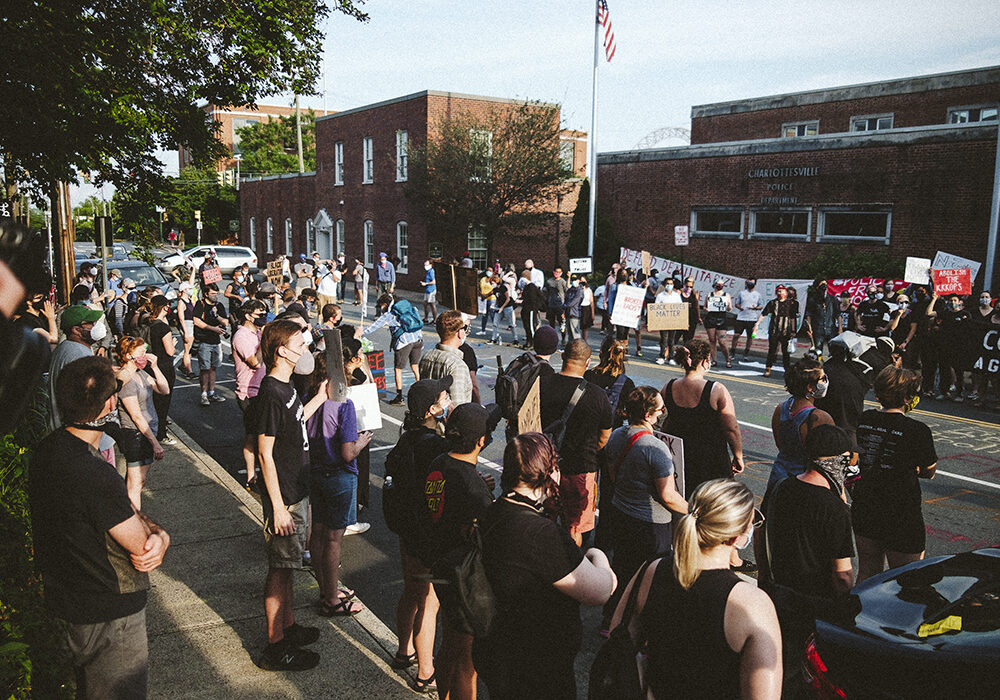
75,315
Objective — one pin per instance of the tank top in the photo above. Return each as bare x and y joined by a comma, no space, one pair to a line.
688,653
706,452
791,459
188,309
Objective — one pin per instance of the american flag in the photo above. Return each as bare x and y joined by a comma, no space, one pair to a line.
604,19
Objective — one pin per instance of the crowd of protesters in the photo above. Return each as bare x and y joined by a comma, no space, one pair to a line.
661,553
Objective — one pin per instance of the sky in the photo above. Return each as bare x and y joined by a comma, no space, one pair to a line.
670,55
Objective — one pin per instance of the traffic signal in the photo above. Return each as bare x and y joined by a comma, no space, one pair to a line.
163,216
197,214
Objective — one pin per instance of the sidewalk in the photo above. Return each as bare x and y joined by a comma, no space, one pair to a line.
206,611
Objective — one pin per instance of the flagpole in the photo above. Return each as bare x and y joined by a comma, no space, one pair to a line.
593,141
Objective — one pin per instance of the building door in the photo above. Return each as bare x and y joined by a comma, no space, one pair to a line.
324,243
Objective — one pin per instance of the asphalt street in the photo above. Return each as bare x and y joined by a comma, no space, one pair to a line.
961,505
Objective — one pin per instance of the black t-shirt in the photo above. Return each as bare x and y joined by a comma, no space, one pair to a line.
76,497
606,382
903,325
845,399
846,318
31,322
210,314
524,553
591,415
469,355
871,314
808,527
455,495
277,412
158,330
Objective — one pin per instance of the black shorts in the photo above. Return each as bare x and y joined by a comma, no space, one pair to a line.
902,532
741,327
715,320
408,355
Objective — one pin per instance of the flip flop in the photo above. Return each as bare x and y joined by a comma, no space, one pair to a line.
347,593
345,608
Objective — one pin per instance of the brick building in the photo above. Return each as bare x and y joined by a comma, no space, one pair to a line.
767,182
355,203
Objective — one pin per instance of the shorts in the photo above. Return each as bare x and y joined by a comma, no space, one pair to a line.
893,530
408,355
578,495
741,327
285,551
334,496
188,329
209,356
430,297
111,658
715,320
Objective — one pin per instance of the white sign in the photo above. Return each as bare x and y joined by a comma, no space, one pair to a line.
681,236
628,306
947,261
366,408
581,266
918,271
716,303
197,225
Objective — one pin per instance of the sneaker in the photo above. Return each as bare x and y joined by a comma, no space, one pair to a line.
940,397
398,400
974,396
672,362
204,400
300,635
285,656
168,441
957,398
660,361
357,528
216,398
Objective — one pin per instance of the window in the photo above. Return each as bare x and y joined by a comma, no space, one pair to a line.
873,122
795,129
369,244
239,123
338,163
477,248
253,234
310,237
402,161
402,245
779,223
567,152
969,115
857,223
270,235
368,174
481,148
340,237
288,236
717,221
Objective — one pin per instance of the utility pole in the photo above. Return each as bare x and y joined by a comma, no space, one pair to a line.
298,134
66,261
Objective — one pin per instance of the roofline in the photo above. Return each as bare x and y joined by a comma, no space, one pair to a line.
899,86
433,93
935,133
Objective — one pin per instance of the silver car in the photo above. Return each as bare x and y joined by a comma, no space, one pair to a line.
229,257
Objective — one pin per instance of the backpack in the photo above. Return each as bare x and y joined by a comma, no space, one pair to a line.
557,429
554,300
467,598
402,492
514,383
614,675
614,392
409,319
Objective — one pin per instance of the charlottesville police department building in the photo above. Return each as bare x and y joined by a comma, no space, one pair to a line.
768,182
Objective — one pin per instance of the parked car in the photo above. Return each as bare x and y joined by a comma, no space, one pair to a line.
930,629
145,275
229,258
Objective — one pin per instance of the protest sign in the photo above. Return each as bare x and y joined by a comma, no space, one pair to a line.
581,266
716,303
917,271
676,447
529,416
274,272
457,287
667,317
366,407
646,257
211,275
628,306
335,365
985,345
947,261
376,366
957,281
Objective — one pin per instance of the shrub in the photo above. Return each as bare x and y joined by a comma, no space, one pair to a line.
845,261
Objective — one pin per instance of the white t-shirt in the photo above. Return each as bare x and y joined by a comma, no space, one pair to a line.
328,285
748,299
538,278
665,297
588,297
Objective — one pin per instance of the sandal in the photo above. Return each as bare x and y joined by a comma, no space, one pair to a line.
425,685
345,593
402,662
344,608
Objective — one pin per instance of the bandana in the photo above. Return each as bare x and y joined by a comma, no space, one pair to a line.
835,470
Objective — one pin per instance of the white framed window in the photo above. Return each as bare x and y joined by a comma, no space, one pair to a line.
338,163
253,235
402,159
712,222
288,236
368,173
270,235
971,115
402,245
239,123
857,223
481,148
871,122
369,229
780,223
793,130
477,247
567,155
341,249
310,237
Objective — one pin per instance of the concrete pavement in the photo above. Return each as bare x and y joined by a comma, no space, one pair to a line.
206,612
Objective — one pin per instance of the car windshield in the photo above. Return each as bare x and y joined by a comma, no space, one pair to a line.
143,275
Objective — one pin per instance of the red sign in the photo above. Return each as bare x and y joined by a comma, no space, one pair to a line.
957,281
212,275
858,286
376,363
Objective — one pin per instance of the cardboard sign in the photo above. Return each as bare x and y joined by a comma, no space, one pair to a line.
457,288
335,364
628,306
366,406
667,317
581,266
274,273
676,447
212,275
917,271
957,281
529,416
681,237
716,303
376,365
646,258
947,261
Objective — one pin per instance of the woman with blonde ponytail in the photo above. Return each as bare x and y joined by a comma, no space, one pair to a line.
708,634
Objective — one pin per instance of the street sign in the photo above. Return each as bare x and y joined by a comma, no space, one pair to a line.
234,225
581,266
197,225
681,236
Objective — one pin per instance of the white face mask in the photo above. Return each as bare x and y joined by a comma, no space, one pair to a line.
98,332
821,389
576,284
668,287
749,536
427,267
305,364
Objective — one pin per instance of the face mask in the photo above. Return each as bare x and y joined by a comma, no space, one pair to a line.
903,305
911,404
576,284
445,410
751,285
305,364
956,305
871,295
821,389
749,536
98,332
718,287
879,295
427,267
668,287
260,321
141,362
985,301
834,469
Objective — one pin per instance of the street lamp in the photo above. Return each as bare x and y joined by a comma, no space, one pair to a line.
238,158
159,215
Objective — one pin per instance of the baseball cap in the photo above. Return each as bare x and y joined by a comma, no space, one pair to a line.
424,394
266,288
827,441
77,315
546,340
382,254
129,283
302,256
780,287
472,421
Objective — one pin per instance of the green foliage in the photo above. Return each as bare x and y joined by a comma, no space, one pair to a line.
498,173
269,147
102,85
607,243
34,661
847,261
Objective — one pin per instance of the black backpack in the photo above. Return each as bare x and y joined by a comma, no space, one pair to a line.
514,383
467,598
614,674
556,430
403,490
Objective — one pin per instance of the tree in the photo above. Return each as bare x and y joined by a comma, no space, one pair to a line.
607,243
496,173
268,147
100,85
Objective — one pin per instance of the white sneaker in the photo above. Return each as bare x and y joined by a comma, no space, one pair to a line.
660,361
672,362
204,400
357,528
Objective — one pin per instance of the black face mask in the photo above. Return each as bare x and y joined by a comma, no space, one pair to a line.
132,443
260,321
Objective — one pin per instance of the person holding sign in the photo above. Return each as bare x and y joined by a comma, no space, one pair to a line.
717,305
953,320
667,295
985,318
784,313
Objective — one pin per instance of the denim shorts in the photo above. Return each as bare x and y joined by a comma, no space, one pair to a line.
209,356
334,497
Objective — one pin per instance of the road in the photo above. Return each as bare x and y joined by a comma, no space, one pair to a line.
961,505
